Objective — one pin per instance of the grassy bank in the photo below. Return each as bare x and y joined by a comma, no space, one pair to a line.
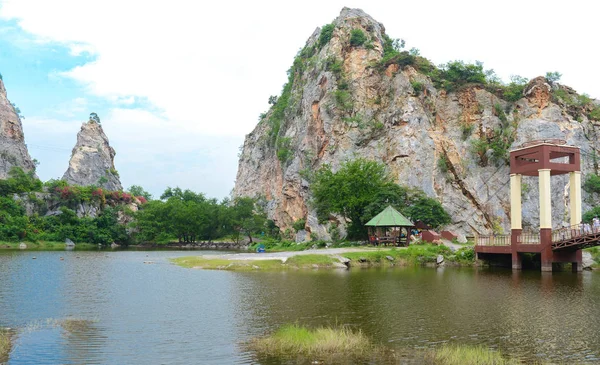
409,256
296,262
45,246
468,355
327,345
412,256
5,344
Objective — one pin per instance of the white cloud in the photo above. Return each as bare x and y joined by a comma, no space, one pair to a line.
207,68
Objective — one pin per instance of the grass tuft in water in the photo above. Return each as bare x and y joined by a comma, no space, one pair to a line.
5,344
295,341
468,355
76,325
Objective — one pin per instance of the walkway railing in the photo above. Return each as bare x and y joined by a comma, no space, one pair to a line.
493,240
575,231
528,239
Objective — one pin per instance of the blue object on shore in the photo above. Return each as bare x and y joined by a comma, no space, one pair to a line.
260,248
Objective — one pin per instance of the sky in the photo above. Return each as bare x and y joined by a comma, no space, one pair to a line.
178,84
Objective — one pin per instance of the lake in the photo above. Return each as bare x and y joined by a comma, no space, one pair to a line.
160,313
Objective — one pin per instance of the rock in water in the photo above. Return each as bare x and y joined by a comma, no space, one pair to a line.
346,100
13,151
92,159
69,243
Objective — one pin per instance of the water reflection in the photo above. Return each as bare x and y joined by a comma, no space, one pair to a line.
161,313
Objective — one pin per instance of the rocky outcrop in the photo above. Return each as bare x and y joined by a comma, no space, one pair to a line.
92,160
13,151
345,101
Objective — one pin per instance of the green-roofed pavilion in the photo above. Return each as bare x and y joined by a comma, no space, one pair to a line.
386,227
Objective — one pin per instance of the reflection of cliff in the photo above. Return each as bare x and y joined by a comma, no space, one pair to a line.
408,308
344,101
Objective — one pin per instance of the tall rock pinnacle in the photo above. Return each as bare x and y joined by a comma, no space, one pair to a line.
92,159
13,151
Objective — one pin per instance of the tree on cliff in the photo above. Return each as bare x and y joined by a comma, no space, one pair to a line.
361,189
94,117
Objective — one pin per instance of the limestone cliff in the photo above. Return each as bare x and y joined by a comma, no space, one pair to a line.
13,151
346,98
92,159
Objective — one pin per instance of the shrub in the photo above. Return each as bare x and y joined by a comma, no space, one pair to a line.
466,129
592,184
326,34
299,224
595,113
443,164
343,99
357,37
553,77
417,87
284,152
514,90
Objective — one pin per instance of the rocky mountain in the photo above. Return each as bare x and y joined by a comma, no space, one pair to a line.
354,92
13,151
92,159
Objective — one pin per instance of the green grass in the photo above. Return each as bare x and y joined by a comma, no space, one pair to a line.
222,264
468,355
412,255
595,251
325,344
46,246
5,344
304,261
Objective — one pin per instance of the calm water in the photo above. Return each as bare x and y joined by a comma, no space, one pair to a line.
163,314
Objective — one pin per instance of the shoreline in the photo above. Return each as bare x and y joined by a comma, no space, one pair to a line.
333,258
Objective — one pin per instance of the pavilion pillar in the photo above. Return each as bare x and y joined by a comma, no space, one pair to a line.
545,219
575,196
515,218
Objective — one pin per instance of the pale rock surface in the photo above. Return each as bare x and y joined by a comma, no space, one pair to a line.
13,151
92,160
408,132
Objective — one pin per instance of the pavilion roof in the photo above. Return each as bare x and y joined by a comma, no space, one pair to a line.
390,217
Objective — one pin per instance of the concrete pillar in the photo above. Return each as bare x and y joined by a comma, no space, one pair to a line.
515,202
545,199
575,196
516,260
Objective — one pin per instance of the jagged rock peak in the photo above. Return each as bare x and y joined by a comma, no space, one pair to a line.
92,159
347,98
13,151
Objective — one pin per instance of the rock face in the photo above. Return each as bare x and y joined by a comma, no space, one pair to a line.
13,151
92,160
344,102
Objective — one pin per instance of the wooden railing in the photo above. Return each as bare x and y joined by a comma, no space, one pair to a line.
493,240
574,231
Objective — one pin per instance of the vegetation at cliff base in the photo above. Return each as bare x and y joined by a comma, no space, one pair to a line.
360,189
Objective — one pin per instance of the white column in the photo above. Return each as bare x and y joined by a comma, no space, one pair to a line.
575,197
545,199
515,201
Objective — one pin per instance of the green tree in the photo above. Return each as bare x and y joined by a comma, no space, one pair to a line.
247,218
361,189
553,77
349,191
326,34
137,190
95,118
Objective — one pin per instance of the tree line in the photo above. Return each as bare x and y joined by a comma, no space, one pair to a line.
34,211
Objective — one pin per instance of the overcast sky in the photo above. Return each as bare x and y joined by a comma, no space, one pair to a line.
178,83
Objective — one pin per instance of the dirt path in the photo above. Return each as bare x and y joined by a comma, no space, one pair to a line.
283,256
